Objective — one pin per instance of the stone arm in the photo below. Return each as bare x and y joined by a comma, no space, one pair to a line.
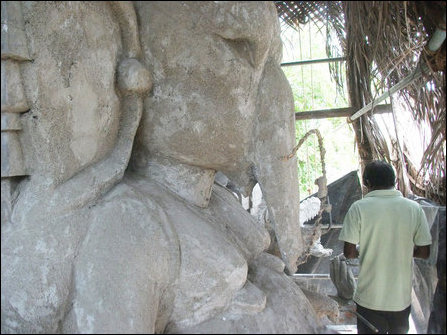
124,269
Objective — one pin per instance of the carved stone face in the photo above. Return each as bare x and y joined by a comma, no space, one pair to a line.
207,59
220,101
74,116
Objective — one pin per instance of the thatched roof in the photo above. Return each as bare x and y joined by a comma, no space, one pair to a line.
386,41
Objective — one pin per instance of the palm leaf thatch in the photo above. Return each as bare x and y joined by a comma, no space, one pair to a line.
384,42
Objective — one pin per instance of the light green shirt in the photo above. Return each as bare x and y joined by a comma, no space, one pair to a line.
386,226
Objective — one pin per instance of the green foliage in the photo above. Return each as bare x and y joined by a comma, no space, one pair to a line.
314,89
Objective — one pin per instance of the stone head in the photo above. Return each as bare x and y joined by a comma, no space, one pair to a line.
207,59
221,102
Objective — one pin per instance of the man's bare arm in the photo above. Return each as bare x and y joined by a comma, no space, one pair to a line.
421,251
350,250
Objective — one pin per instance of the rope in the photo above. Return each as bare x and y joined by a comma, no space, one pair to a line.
320,146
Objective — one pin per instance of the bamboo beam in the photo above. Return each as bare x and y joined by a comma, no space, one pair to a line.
400,85
314,275
314,61
337,112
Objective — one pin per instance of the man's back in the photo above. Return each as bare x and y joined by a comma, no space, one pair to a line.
387,226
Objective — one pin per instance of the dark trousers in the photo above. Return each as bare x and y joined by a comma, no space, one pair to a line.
385,322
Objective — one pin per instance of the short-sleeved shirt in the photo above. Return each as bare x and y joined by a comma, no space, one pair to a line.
386,226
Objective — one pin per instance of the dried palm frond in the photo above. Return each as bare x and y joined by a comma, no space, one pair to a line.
384,42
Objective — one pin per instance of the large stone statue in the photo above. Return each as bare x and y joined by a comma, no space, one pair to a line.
114,223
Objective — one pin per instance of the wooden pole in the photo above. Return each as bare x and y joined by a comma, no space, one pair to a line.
337,112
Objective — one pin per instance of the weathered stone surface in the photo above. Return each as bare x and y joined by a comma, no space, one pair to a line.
14,49
74,119
12,157
227,73
7,198
13,97
274,138
133,78
13,44
281,292
95,244
248,300
11,122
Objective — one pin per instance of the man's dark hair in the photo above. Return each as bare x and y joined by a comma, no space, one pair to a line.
379,174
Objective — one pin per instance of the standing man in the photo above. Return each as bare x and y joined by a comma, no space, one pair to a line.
390,230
